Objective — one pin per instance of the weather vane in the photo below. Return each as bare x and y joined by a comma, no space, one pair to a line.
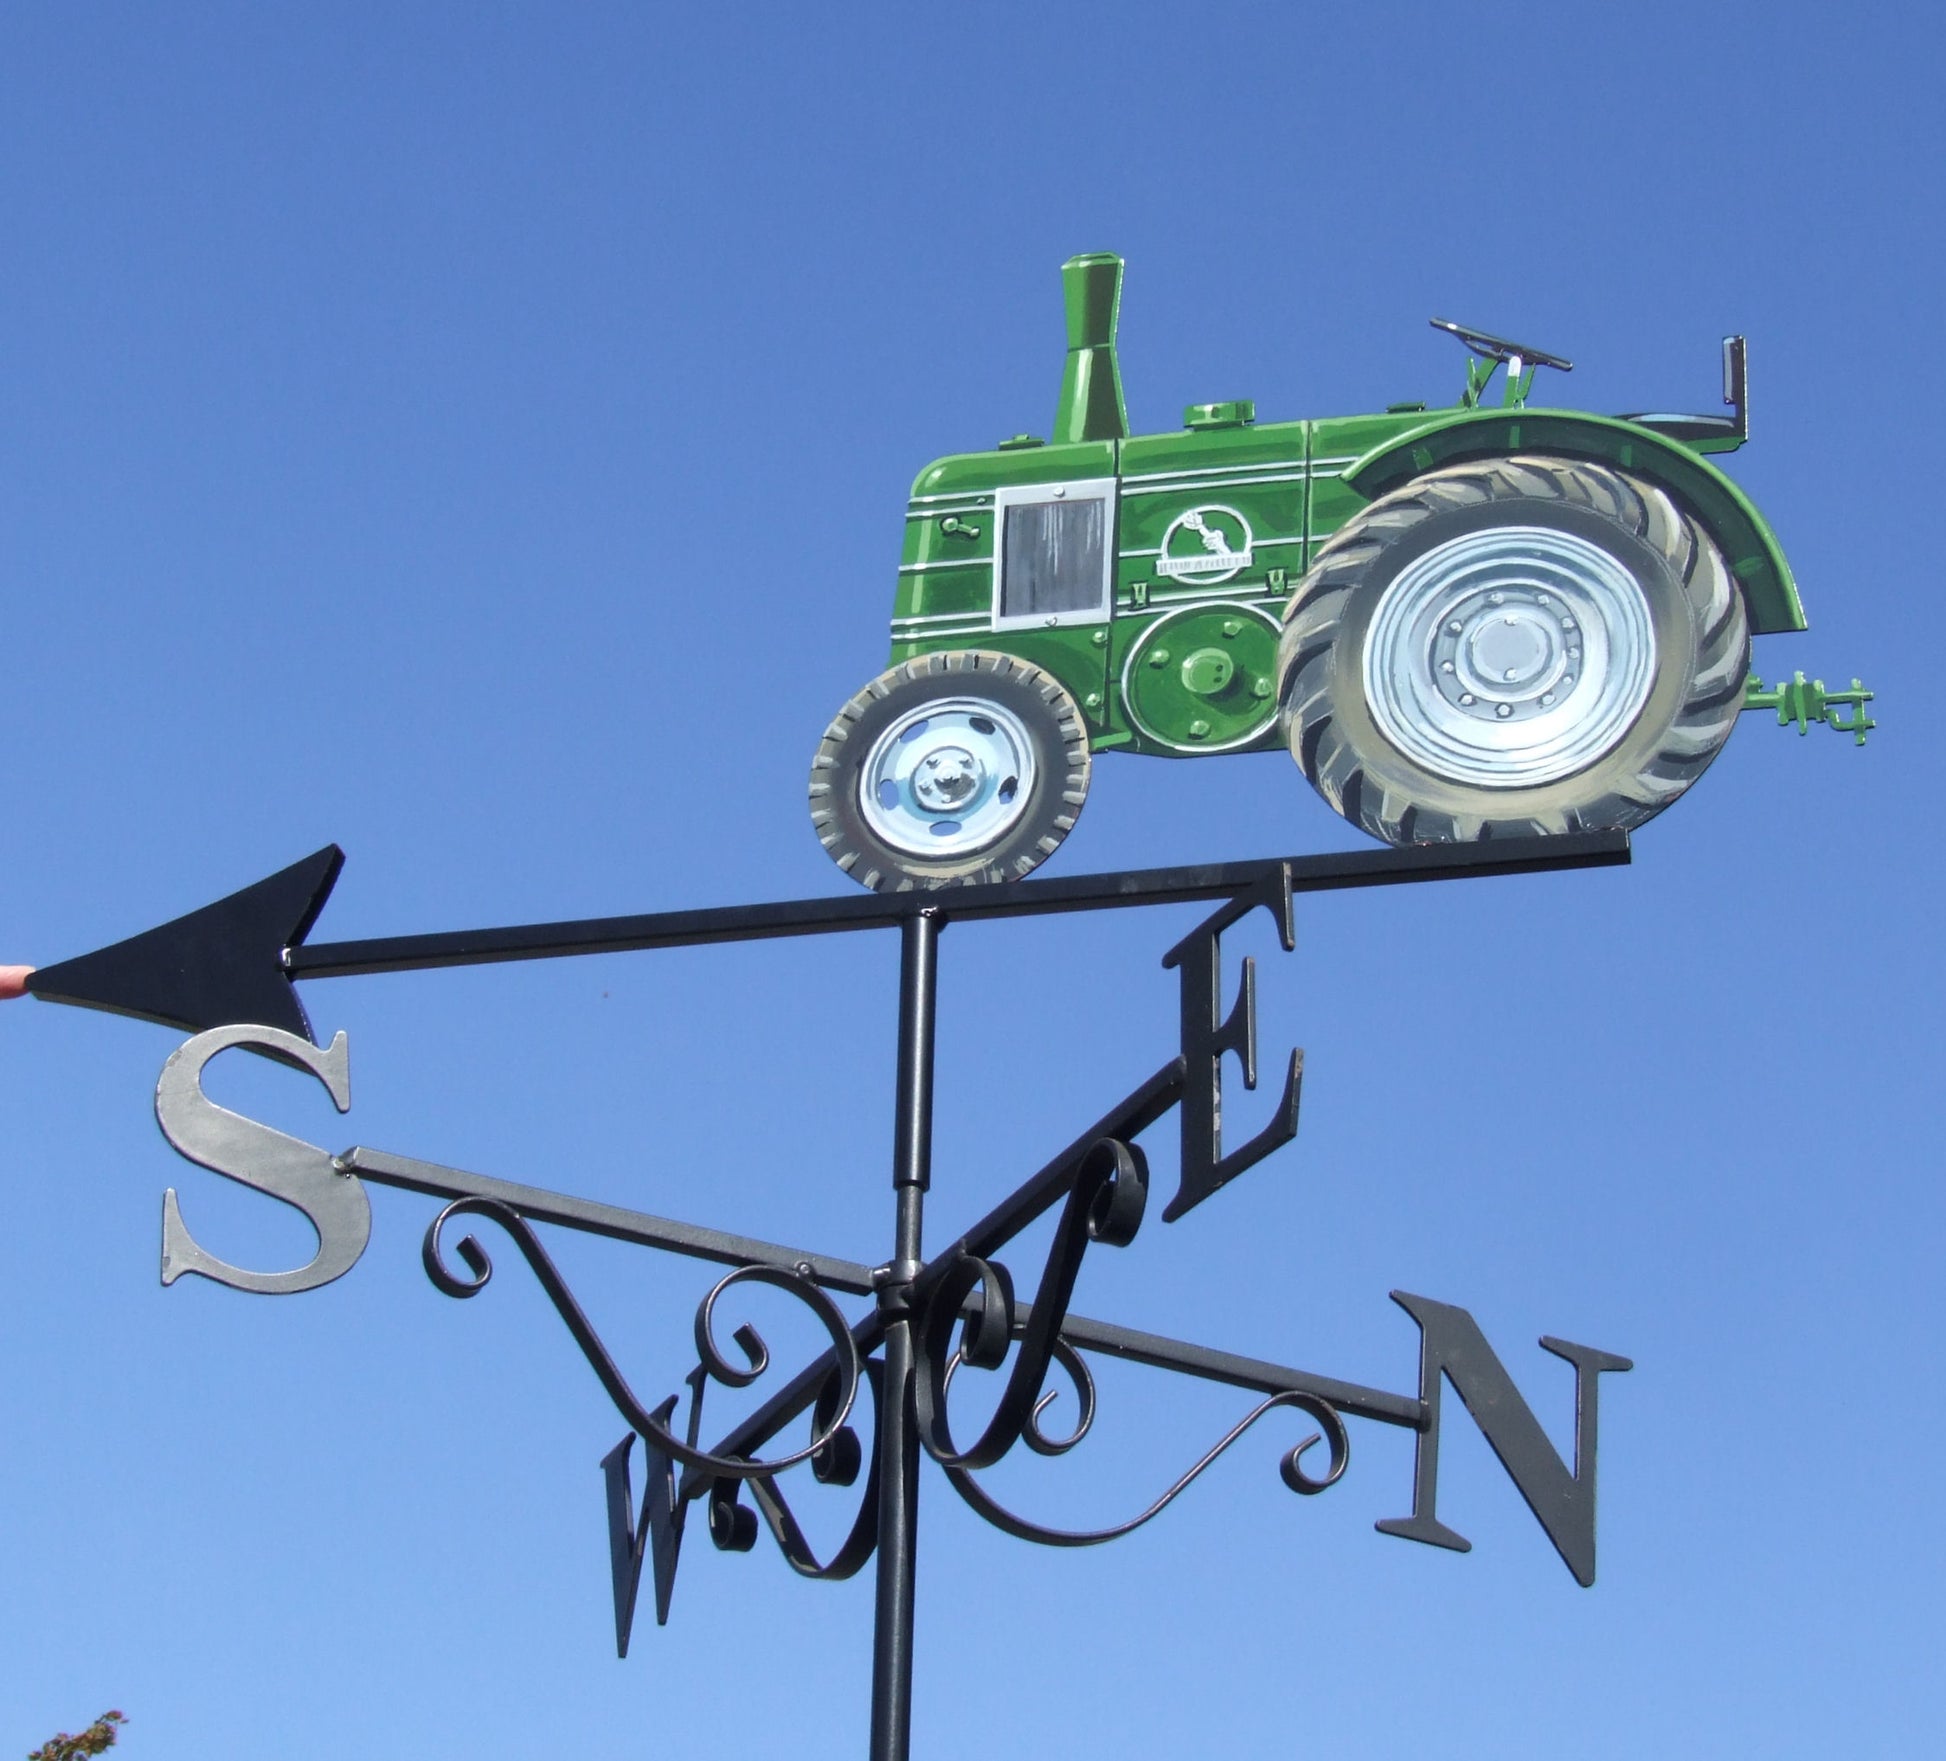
1495,637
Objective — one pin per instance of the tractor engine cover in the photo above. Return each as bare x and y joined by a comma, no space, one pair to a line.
1204,678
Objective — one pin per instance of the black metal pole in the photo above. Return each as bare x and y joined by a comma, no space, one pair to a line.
898,1438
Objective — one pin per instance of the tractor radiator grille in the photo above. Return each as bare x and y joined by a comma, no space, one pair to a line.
1053,558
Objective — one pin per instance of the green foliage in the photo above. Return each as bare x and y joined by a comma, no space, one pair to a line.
98,1737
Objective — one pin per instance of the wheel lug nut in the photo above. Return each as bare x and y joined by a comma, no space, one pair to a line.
1455,628
1503,709
1466,697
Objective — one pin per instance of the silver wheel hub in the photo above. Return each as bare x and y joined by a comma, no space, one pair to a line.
1510,657
947,779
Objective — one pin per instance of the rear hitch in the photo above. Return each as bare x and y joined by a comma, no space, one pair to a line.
1802,702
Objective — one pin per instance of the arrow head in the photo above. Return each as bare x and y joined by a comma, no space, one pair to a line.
219,965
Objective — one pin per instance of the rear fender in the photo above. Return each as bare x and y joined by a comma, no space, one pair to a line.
1726,513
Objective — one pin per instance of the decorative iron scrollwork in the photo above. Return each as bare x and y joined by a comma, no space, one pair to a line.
1290,1467
837,1464
976,1297
715,1364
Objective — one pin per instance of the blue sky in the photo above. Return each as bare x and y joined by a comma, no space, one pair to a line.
477,436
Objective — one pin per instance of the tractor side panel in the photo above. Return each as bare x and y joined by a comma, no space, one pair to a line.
1336,447
1212,542
946,592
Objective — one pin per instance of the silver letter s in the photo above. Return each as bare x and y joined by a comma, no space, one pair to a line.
241,1149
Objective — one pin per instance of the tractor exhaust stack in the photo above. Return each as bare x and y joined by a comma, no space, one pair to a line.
1091,406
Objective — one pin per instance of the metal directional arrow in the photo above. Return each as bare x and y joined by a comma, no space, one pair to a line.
879,1394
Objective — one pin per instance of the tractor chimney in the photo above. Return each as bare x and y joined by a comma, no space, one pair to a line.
1091,406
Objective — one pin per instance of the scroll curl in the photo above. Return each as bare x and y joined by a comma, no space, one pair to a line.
1084,1391
838,1464
976,1298
1290,1468
650,1425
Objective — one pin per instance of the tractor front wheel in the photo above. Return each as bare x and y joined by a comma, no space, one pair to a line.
950,770
1517,646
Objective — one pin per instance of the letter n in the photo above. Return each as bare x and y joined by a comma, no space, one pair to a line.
1452,1348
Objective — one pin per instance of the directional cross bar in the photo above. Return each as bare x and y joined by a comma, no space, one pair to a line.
1031,898
235,960
1029,1201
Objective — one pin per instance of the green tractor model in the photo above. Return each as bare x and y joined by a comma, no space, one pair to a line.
1473,622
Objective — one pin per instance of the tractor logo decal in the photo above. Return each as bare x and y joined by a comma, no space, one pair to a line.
1205,544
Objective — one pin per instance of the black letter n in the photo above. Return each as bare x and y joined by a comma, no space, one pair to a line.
1451,1344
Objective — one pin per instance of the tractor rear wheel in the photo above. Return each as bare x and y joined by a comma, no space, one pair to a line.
1515,646
949,770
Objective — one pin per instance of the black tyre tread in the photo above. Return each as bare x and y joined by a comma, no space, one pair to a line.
968,670
1315,618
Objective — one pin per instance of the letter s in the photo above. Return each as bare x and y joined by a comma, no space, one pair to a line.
240,1149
